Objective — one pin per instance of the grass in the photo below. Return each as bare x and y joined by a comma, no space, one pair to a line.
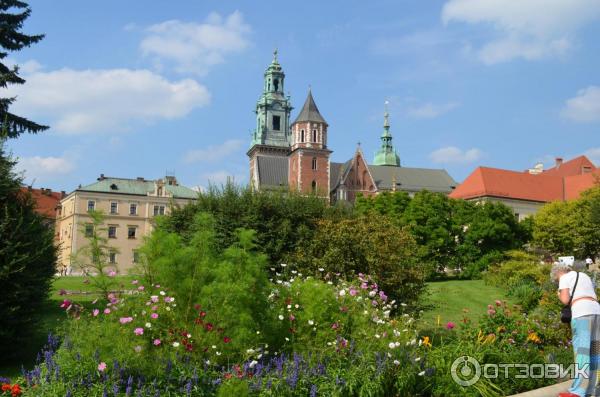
448,299
51,320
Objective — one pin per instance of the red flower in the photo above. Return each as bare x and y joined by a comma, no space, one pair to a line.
208,326
227,375
15,391
197,306
66,303
202,314
227,339
5,387
198,320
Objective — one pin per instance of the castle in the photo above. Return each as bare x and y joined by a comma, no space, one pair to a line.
295,155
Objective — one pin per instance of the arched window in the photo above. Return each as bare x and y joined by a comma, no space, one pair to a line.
314,163
313,186
301,135
314,137
364,180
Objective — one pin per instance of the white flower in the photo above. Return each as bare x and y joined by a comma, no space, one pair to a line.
250,351
252,363
148,325
377,336
207,362
259,356
330,283
418,359
421,373
162,293
311,322
257,332
314,328
289,306
283,265
372,293
389,355
281,316
296,305
168,308
397,344
294,272
396,362
392,345
278,281
403,304
272,269
189,335
287,339
328,343
218,353
321,269
214,347
175,344
342,292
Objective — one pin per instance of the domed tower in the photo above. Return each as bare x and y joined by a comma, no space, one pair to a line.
386,155
272,134
309,158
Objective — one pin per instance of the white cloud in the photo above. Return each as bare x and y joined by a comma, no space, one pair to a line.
196,47
81,101
594,155
430,110
452,154
214,152
527,29
37,167
585,106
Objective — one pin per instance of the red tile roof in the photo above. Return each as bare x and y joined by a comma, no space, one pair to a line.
565,182
46,201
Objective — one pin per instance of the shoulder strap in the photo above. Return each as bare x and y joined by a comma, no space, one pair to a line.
575,286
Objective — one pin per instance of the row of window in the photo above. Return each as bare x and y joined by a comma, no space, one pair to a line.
112,257
112,231
314,136
133,208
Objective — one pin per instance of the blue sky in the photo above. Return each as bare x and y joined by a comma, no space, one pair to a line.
138,88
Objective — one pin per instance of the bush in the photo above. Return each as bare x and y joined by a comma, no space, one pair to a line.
370,245
27,260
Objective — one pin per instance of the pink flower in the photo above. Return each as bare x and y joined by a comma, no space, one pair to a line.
134,282
138,331
157,286
112,273
450,325
102,366
154,315
374,303
156,342
95,312
154,299
154,308
66,304
125,320
292,318
141,288
491,312
107,311
167,299
498,303
353,292
364,286
383,296
334,326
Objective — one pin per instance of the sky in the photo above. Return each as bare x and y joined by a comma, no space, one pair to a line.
144,88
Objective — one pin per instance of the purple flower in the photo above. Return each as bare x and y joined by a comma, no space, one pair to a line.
138,331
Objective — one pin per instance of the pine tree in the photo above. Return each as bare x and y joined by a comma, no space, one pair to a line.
11,39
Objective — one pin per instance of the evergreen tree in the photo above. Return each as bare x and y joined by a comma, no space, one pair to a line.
12,15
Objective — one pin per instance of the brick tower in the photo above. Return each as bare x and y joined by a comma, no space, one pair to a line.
309,156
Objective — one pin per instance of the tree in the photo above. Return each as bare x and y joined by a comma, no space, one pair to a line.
371,244
27,259
12,39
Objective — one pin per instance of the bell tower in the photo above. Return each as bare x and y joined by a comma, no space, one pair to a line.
272,134
309,158
386,155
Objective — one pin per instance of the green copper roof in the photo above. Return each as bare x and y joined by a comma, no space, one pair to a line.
386,155
139,187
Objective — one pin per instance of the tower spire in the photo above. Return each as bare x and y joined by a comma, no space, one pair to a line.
386,155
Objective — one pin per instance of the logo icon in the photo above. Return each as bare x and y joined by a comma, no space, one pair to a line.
465,371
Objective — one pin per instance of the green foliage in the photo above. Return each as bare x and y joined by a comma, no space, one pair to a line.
281,219
571,227
386,203
12,39
93,258
27,259
370,245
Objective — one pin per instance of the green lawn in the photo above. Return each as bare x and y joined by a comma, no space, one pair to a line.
52,318
448,299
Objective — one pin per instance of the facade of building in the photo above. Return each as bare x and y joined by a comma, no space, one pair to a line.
526,192
296,156
129,206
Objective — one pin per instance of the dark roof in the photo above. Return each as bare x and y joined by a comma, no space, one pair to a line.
412,179
310,111
272,171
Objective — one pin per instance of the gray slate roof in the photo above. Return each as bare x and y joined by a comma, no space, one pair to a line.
412,179
310,111
136,187
272,171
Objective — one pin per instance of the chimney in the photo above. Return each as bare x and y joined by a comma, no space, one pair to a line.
63,194
559,162
101,177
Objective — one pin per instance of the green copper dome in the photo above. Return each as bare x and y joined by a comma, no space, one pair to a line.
386,155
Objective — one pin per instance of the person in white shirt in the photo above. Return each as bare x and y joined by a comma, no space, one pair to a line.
585,327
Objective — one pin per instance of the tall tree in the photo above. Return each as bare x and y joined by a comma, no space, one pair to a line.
12,15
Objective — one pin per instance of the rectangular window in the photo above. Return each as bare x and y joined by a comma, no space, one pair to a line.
159,210
136,256
112,232
276,123
133,209
91,205
89,230
114,207
112,257
314,163
131,231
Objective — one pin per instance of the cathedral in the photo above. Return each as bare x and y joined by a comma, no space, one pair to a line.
295,156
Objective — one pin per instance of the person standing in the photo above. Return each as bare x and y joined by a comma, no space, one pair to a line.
585,327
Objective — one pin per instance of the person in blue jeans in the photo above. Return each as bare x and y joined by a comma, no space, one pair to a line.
585,328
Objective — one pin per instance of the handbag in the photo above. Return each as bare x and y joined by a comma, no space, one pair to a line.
565,313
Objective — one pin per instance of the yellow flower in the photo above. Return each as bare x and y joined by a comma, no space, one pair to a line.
533,337
426,341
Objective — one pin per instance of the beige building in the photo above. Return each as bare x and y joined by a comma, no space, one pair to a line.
129,205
